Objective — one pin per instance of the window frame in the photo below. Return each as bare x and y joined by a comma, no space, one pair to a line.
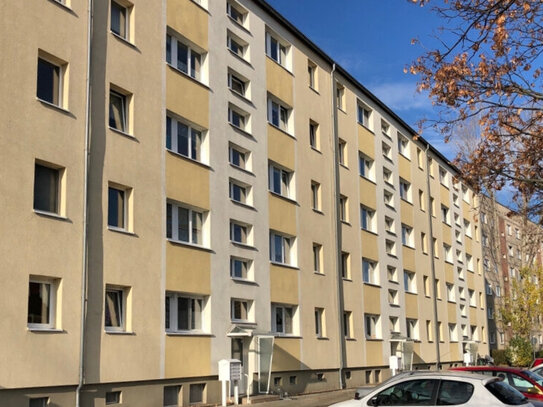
366,166
370,271
194,316
122,123
124,30
202,240
58,78
241,229
405,190
238,118
281,186
287,248
126,197
244,191
275,308
195,139
282,112
364,115
120,304
279,47
245,268
53,287
55,190
195,58
372,326
317,258
247,304
367,219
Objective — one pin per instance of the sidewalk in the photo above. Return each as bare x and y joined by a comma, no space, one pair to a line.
311,400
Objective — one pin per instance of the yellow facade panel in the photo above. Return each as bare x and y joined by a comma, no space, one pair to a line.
279,82
368,194
187,98
286,354
468,244
444,195
454,352
187,182
374,353
471,280
407,210
405,168
366,142
408,258
282,215
466,210
446,233
281,148
372,299
472,315
190,20
369,245
449,273
411,306
283,284
451,312
187,356
188,269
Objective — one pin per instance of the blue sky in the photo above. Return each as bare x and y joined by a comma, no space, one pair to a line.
372,40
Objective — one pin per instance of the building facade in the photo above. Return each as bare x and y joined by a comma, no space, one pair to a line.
196,181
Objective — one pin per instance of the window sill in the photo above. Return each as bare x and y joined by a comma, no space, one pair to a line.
53,106
371,232
121,231
318,211
286,336
200,6
198,82
123,133
406,201
192,160
348,279
390,185
244,281
405,156
323,338
390,232
372,285
392,208
341,110
64,6
288,266
394,305
315,149
286,198
125,41
368,179
451,301
46,330
190,245
239,57
241,96
242,131
243,245
51,215
318,273
408,247
200,334
239,25
392,255
124,333
281,130
393,281
411,292
278,64
374,339
237,167
345,222
314,90
350,339
242,322
243,205
366,127
344,166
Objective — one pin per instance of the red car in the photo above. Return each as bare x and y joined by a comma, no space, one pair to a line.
525,381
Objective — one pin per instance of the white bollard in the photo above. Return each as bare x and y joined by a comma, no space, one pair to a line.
236,393
223,382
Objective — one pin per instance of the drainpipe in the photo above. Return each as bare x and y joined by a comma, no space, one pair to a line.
84,273
342,348
432,257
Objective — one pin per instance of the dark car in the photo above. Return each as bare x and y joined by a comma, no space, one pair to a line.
525,381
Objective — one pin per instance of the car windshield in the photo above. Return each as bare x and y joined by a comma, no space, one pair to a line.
534,376
505,393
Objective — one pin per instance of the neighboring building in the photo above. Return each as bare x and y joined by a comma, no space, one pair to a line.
510,242
249,201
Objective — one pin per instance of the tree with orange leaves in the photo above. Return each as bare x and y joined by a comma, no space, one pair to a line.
488,68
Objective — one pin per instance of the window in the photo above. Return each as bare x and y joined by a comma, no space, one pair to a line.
426,285
343,208
390,247
238,192
118,111
456,201
388,198
319,323
184,58
282,319
429,331
340,96
370,272
171,396
445,215
465,193
420,158
236,45
453,333
385,129
185,224
184,139
280,248
239,268
488,288
423,242
367,216
387,151
392,274
394,324
342,152
403,146
443,178
115,309
469,261
196,393
119,20
365,166
472,300
345,265
239,310
347,324
463,310
405,190
42,295
467,227
498,291
317,257
113,397
412,326
393,298
372,324
407,236
314,141
450,292
389,225
277,50
364,116
280,180
238,118
236,13
447,253
461,293
422,201
457,219
316,195
184,312
38,402
312,74
50,77
409,282
517,233
238,232
47,188
238,157
461,273
117,212
387,177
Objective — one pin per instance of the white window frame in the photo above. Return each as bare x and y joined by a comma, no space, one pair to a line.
365,166
243,154
121,303
284,114
287,248
403,146
364,115
317,258
285,180
244,302
412,328
191,71
232,9
405,190
175,223
174,297
320,330
280,47
372,326
315,195
243,83
367,219
410,282
407,236
451,292
282,308
246,268
370,271
53,285
244,191
234,43
196,135
58,91
243,118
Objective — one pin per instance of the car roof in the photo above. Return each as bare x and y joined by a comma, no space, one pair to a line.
441,374
489,368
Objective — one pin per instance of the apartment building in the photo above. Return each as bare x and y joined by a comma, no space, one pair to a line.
510,242
196,181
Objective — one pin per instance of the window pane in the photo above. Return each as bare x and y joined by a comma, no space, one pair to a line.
38,303
171,395
182,139
118,19
117,111
48,81
169,49
288,320
168,133
275,114
451,393
279,319
195,63
113,309
167,312
274,54
276,180
183,314
183,224
278,248
169,221
182,57
46,182
196,228
195,143
116,208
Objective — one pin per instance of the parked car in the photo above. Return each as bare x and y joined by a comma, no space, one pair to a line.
527,382
364,390
537,362
431,388
538,369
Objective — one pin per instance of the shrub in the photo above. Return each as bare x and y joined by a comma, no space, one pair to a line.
499,357
519,352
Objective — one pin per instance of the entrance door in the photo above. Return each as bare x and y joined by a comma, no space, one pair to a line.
239,351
